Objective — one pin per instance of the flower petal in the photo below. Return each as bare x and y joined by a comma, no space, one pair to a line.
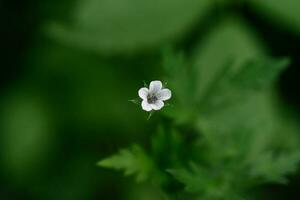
155,86
146,106
157,105
164,94
143,92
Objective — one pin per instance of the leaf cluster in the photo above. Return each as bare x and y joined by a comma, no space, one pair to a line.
229,131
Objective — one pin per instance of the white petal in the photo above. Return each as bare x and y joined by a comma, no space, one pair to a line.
143,93
164,94
155,86
158,105
146,106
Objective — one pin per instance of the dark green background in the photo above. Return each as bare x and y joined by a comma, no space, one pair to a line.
64,98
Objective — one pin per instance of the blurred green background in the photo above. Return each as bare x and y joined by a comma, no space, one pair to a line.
68,69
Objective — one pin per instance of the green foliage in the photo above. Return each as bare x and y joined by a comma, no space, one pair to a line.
273,168
181,77
229,46
232,43
229,130
26,135
207,184
133,161
284,14
264,71
111,26
235,84
241,123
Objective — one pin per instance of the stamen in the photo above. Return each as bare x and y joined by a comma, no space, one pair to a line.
151,99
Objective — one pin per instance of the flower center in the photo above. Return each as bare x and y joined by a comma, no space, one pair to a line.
151,98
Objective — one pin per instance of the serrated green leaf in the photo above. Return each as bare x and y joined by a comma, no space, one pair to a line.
234,85
259,73
240,117
194,181
206,183
273,168
228,47
230,44
133,161
257,130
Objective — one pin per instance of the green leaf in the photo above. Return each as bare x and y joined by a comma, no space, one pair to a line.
285,14
258,134
181,79
234,85
206,183
220,56
273,168
111,26
169,149
133,161
240,116
231,44
195,180
274,149
258,74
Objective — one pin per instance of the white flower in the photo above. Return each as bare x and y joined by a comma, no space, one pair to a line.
154,96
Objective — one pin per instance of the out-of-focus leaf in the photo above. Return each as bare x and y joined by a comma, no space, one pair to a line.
270,167
87,88
128,25
133,161
258,74
181,78
169,148
232,67
230,43
26,138
284,13
258,134
252,119
195,180
274,147
229,46
233,85
206,183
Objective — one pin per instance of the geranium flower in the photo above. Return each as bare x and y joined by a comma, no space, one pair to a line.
154,97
